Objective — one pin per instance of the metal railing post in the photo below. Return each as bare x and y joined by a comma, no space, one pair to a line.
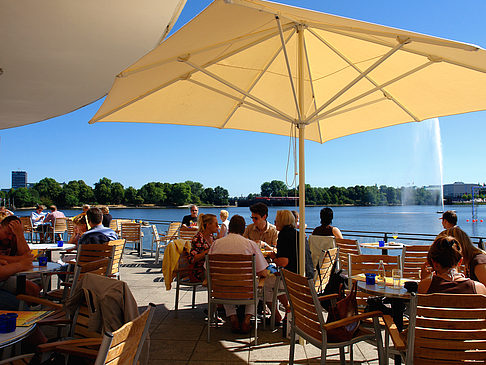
385,238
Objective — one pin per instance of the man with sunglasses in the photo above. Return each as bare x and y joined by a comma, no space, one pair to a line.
190,220
260,230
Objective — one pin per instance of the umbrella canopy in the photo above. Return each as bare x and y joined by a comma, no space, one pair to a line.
265,67
57,56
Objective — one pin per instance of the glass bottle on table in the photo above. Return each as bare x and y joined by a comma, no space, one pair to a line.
381,275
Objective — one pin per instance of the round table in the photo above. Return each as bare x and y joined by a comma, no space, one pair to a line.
384,249
21,276
7,339
51,246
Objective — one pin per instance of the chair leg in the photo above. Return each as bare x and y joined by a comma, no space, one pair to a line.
256,323
194,296
342,356
157,248
351,359
292,346
323,354
177,295
210,317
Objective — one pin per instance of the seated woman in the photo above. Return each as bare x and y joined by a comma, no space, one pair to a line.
201,242
223,231
474,259
287,256
325,229
444,257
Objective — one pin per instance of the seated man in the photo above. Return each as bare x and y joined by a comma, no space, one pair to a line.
235,243
4,212
189,221
98,233
37,216
260,230
15,256
51,217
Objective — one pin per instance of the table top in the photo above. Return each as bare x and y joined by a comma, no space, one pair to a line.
7,339
51,266
387,246
387,291
51,246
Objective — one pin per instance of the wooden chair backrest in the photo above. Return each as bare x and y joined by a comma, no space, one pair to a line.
119,246
318,245
60,225
173,230
26,224
414,257
448,328
232,277
186,234
361,264
346,247
322,277
70,226
124,345
114,226
90,252
302,298
131,232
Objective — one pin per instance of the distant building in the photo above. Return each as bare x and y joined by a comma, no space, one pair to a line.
457,190
19,179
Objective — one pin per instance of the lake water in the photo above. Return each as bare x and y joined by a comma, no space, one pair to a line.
411,219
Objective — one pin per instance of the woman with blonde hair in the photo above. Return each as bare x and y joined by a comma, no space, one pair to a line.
444,257
201,242
223,231
474,259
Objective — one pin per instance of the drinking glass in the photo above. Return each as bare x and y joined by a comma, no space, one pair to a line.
395,235
397,276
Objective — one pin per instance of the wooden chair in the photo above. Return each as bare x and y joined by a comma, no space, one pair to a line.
115,226
118,248
443,329
70,228
346,247
324,271
231,280
318,245
28,229
132,234
161,241
182,278
413,259
186,234
308,320
123,346
58,228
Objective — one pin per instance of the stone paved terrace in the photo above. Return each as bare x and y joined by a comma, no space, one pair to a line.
183,339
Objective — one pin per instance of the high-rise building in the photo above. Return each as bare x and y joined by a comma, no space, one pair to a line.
19,179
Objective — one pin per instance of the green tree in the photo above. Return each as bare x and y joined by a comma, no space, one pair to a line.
181,194
132,197
153,193
70,194
102,191
274,188
196,191
23,198
208,196
220,196
49,191
86,193
117,193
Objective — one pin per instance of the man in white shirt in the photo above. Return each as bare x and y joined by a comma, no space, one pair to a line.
235,243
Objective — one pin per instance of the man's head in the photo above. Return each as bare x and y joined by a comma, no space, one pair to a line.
105,210
449,219
237,225
259,214
85,208
326,216
3,209
95,216
39,208
53,208
194,210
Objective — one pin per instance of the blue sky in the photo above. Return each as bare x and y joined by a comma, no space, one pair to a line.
68,148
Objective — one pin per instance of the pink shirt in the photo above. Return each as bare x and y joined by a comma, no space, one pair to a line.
53,215
237,244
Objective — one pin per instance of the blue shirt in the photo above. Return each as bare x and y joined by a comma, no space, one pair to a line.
34,216
98,234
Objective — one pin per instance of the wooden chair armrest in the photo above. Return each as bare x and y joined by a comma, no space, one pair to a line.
347,320
78,351
92,265
52,346
54,322
394,334
37,300
328,296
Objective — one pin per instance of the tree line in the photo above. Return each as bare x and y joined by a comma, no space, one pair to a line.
76,192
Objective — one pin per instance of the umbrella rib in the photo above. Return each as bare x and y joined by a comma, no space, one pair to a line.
299,116
241,101
428,55
236,88
260,75
336,51
358,78
379,87
272,33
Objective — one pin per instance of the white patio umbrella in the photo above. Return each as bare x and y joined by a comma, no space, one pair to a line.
261,66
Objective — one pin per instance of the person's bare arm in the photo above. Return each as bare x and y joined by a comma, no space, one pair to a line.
18,231
337,233
480,271
12,268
